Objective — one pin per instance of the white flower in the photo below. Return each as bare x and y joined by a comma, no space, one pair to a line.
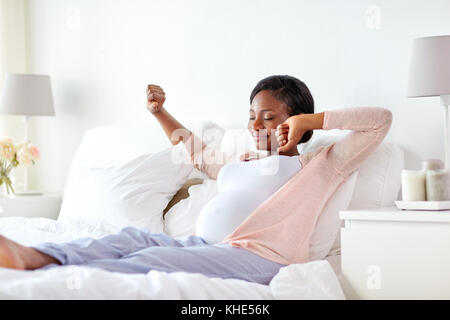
7,149
27,153
24,156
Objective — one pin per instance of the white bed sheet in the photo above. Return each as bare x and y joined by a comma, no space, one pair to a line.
313,280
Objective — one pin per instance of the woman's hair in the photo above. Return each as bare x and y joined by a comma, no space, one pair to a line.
293,92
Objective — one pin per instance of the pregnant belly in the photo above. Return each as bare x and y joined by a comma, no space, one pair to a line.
225,212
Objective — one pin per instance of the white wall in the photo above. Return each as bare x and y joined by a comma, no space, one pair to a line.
13,58
208,55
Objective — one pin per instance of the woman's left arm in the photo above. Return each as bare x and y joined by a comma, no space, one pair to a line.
369,127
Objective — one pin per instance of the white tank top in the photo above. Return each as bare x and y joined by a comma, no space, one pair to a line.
241,187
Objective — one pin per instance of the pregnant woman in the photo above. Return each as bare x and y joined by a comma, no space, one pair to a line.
258,222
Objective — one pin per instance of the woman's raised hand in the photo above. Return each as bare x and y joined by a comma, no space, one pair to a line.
290,132
155,98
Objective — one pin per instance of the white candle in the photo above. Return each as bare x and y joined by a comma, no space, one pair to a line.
432,164
413,185
438,185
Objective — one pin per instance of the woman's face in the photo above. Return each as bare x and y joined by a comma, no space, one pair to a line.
265,114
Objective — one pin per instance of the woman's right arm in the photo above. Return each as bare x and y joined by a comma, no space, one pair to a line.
203,158
174,130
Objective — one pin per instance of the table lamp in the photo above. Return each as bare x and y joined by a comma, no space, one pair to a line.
28,95
430,75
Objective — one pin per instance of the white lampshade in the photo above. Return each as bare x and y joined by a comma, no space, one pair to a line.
430,67
27,94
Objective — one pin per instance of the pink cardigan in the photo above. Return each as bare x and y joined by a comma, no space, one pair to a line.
280,228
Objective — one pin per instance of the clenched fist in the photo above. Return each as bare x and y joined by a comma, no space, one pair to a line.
155,98
290,132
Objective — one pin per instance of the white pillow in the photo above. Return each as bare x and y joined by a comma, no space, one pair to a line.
378,182
131,194
328,224
181,219
113,145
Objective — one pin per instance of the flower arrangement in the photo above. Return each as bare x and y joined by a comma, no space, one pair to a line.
13,155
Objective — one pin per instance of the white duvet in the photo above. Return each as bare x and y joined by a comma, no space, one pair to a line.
313,280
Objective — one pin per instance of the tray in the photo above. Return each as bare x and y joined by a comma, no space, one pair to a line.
423,205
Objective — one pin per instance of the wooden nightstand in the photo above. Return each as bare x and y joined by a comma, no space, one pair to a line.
389,253
43,206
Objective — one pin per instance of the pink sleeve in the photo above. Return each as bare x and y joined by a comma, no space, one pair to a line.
206,159
370,125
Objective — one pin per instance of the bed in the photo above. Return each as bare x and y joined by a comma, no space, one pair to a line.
119,176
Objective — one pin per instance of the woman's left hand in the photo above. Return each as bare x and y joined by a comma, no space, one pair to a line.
290,132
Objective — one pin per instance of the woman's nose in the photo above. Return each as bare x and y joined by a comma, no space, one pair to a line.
257,125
